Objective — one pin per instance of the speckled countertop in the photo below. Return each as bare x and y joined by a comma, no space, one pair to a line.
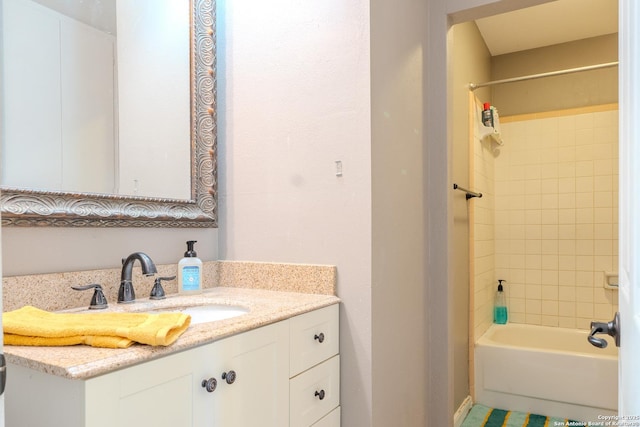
271,292
82,362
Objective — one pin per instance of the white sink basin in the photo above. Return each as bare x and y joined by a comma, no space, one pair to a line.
207,313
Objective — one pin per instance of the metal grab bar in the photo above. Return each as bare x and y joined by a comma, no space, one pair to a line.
470,194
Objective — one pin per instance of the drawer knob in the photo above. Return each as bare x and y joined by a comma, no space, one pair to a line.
319,394
229,377
319,337
210,384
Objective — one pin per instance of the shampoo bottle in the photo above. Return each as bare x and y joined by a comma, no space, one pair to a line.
500,314
190,271
487,115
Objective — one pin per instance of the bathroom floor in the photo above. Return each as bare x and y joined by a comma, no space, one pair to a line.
483,416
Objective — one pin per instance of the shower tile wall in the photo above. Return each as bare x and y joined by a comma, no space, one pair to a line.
483,229
555,212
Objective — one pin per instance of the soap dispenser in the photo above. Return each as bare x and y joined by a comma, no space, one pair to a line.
190,271
500,314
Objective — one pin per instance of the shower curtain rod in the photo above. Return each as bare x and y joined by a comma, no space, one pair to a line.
474,86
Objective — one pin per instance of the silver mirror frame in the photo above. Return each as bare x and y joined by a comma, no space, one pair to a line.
34,208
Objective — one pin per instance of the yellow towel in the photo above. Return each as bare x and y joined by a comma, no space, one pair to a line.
31,326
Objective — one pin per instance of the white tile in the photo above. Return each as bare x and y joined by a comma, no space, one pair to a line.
567,169
549,246
584,199
549,170
516,246
584,168
533,231
567,231
533,246
566,185
584,216
584,310
584,263
549,262
567,293
603,183
603,167
566,154
533,306
533,216
566,216
584,295
533,262
533,201
566,322
584,138
566,247
533,172
567,201
567,277
550,308
533,276
584,231
549,231
547,320
549,277
583,152
603,215
584,278
603,199
549,186
584,184
550,293
567,308
603,263
566,262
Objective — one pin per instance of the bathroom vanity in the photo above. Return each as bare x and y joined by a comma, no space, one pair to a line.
281,367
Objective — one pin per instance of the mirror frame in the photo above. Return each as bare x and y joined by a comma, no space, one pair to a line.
29,208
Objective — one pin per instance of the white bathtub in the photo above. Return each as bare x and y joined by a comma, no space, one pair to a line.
546,370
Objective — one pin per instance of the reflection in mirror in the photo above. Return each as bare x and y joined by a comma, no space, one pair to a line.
111,80
108,114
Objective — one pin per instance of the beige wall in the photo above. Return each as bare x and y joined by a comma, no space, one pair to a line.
397,142
294,98
559,92
469,61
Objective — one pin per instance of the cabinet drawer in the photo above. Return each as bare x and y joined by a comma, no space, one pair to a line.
314,393
331,420
314,338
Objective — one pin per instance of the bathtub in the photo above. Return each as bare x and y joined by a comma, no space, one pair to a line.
546,370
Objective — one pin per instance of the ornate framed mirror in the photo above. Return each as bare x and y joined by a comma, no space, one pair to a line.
29,207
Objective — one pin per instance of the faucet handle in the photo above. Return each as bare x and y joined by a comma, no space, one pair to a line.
157,292
98,301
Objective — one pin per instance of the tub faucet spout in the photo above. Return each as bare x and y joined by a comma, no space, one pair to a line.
126,294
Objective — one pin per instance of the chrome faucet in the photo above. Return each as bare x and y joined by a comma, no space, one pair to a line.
126,294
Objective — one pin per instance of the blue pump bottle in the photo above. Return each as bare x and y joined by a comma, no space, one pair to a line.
500,313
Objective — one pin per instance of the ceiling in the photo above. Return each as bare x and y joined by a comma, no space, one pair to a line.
547,24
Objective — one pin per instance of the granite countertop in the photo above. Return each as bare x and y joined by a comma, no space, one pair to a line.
83,362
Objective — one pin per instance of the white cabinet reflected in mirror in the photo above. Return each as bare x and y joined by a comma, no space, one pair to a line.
108,115
109,88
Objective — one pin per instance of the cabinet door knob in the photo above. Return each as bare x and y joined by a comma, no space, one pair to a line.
229,377
319,337
210,384
319,394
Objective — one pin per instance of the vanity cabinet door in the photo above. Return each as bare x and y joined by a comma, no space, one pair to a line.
156,393
251,372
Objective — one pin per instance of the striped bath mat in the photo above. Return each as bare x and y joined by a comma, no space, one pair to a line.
482,416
